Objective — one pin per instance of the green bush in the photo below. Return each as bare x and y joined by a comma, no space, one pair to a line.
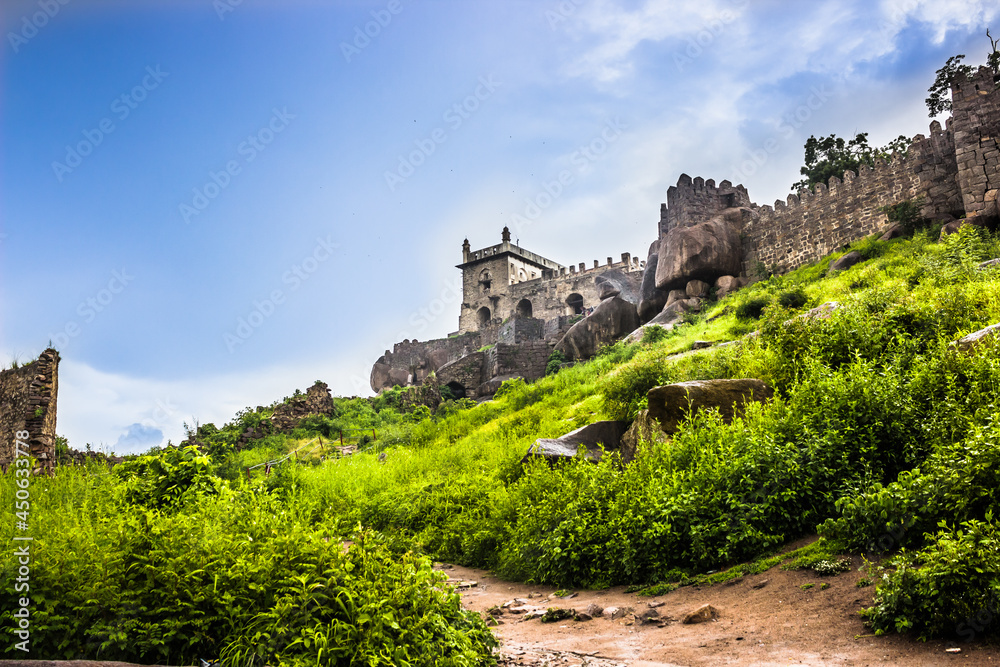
949,588
163,479
556,359
751,308
793,298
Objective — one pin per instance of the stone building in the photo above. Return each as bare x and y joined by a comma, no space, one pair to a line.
505,280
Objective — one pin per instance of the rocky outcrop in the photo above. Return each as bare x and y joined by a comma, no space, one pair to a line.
616,283
704,251
975,339
671,404
846,261
643,429
651,299
726,285
611,320
591,436
316,401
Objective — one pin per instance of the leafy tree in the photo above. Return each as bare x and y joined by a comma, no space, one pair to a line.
940,92
833,155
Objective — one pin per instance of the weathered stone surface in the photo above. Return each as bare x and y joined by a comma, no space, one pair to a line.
675,295
977,338
28,397
701,344
625,283
316,401
679,307
726,285
611,320
951,228
895,231
703,251
606,291
637,335
651,299
697,289
591,436
463,376
988,264
821,312
643,429
594,610
846,261
670,404
702,614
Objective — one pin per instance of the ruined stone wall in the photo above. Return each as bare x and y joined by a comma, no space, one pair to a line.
410,362
696,200
815,223
976,123
527,360
28,403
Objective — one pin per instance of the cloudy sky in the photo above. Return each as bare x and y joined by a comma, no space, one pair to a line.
207,204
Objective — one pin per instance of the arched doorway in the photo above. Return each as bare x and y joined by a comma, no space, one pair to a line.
456,389
574,304
524,308
484,316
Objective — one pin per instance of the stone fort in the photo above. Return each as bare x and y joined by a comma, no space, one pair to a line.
711,239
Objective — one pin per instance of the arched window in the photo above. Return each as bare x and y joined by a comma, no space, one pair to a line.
574,304
484,316
524,308
485,281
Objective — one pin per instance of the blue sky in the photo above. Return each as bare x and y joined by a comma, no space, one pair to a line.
207,204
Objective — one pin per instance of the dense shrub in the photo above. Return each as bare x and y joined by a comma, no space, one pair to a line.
753,307
949,588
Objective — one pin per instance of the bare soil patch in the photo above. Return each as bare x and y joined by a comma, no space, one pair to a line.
764,619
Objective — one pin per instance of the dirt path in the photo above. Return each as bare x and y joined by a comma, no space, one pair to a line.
764,619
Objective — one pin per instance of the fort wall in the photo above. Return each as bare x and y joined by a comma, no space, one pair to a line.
28,403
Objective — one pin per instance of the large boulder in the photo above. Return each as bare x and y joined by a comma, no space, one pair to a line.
671,404
625,284
697,289
592,436
612,319
606,291
704,251
643,429
846,261
651,299
726,285
977,338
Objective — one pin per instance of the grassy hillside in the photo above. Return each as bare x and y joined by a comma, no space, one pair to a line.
881,436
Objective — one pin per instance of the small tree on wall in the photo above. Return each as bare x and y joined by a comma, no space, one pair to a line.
939,100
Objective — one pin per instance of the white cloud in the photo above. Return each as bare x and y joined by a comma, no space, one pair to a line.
944,15
97,407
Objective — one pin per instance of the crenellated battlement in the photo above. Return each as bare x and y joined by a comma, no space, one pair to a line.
695,200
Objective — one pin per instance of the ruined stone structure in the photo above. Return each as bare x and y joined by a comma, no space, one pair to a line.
28,403
518,306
